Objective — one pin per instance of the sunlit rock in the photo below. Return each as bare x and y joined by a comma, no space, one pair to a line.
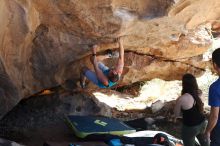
45,42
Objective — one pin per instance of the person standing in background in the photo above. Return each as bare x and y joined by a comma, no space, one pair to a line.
213,129
190,106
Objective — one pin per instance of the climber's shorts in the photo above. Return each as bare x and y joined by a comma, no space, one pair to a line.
91,75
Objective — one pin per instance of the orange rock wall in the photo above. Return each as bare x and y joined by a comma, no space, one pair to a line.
44,42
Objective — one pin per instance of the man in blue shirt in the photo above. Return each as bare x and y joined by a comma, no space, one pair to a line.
103,77
213,129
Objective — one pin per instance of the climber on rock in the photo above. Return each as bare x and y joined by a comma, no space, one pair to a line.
103,77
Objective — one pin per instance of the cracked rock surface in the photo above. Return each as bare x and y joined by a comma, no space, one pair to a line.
45,42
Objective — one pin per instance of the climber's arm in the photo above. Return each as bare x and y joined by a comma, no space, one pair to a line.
101,77
120,63
177,108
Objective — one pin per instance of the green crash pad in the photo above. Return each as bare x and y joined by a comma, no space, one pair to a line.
83,126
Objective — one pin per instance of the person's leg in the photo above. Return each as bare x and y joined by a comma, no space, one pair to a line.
202,140
215,134
188,135
99,58
90,75
102,57
201,137
112,54
102,66
108,54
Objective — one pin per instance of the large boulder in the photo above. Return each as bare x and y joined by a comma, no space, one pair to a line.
44,42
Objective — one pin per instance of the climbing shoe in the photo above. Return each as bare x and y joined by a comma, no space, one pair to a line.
82,84
112,54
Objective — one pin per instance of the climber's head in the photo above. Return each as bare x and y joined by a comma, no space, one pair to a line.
113,75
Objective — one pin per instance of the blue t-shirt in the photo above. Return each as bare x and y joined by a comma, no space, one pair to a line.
110,83
214,96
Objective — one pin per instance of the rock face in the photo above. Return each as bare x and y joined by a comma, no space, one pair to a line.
31,121
41,118
44,42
